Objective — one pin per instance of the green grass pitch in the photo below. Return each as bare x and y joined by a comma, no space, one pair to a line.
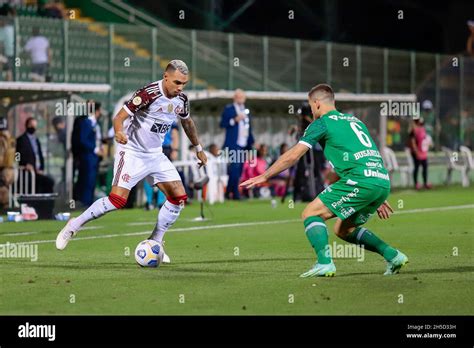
246,260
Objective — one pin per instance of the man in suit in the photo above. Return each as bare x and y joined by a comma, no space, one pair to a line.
236,121
31,157
86,149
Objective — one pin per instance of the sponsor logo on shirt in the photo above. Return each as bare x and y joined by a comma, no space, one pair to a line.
376,174
374,164
346,198
344,117
367,153
347,212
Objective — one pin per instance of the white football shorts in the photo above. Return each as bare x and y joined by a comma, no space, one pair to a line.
130,167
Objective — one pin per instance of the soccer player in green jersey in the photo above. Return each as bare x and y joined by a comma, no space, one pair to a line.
360,184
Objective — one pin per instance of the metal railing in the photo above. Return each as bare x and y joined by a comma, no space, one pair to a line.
20,185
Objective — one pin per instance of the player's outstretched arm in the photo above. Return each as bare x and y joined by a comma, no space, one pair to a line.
285,161
120,136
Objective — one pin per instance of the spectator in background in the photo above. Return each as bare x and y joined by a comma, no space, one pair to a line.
7,41
7,9
217,171
255,167
87,149
57,145
40,52
31,157
59,125
236,121
428,116
280,182
470,39
419,144
308,178
52,9
7,160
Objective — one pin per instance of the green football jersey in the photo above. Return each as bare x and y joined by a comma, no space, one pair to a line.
349,148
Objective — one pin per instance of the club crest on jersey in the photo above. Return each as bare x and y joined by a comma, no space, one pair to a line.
126,177
178,110
170,108
137,100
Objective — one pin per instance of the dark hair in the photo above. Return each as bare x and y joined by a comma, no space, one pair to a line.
28,120
260,150
305,109
57,120
324,92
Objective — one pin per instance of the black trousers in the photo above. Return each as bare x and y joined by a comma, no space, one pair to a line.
424,166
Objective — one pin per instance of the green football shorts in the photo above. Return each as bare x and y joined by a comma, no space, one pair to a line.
355,201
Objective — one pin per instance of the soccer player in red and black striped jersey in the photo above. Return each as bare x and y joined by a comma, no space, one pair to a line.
140,127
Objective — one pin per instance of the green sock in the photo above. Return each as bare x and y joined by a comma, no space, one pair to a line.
371,242
317,234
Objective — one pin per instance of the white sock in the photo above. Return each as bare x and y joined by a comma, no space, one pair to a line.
96,210
168,214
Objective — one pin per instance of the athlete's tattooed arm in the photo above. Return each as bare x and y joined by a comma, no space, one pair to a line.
191,132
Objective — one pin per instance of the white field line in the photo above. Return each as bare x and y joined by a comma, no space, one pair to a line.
18,234
243,224
427,210
410,211
28,233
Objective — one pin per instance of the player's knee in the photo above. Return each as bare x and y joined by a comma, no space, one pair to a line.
310,212
315,212
178,200
117,201
342,231
338,231
305,214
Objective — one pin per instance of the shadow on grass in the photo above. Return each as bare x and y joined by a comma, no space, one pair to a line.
240,260
407,270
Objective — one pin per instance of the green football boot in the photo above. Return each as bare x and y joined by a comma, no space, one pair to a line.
319,270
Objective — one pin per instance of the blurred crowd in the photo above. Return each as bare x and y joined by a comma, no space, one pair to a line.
41,151
37,46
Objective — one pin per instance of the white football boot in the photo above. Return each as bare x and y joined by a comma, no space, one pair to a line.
166,258
65,236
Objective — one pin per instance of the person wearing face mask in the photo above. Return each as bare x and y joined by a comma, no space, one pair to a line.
31,157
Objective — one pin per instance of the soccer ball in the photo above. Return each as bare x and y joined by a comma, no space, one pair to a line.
149,253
